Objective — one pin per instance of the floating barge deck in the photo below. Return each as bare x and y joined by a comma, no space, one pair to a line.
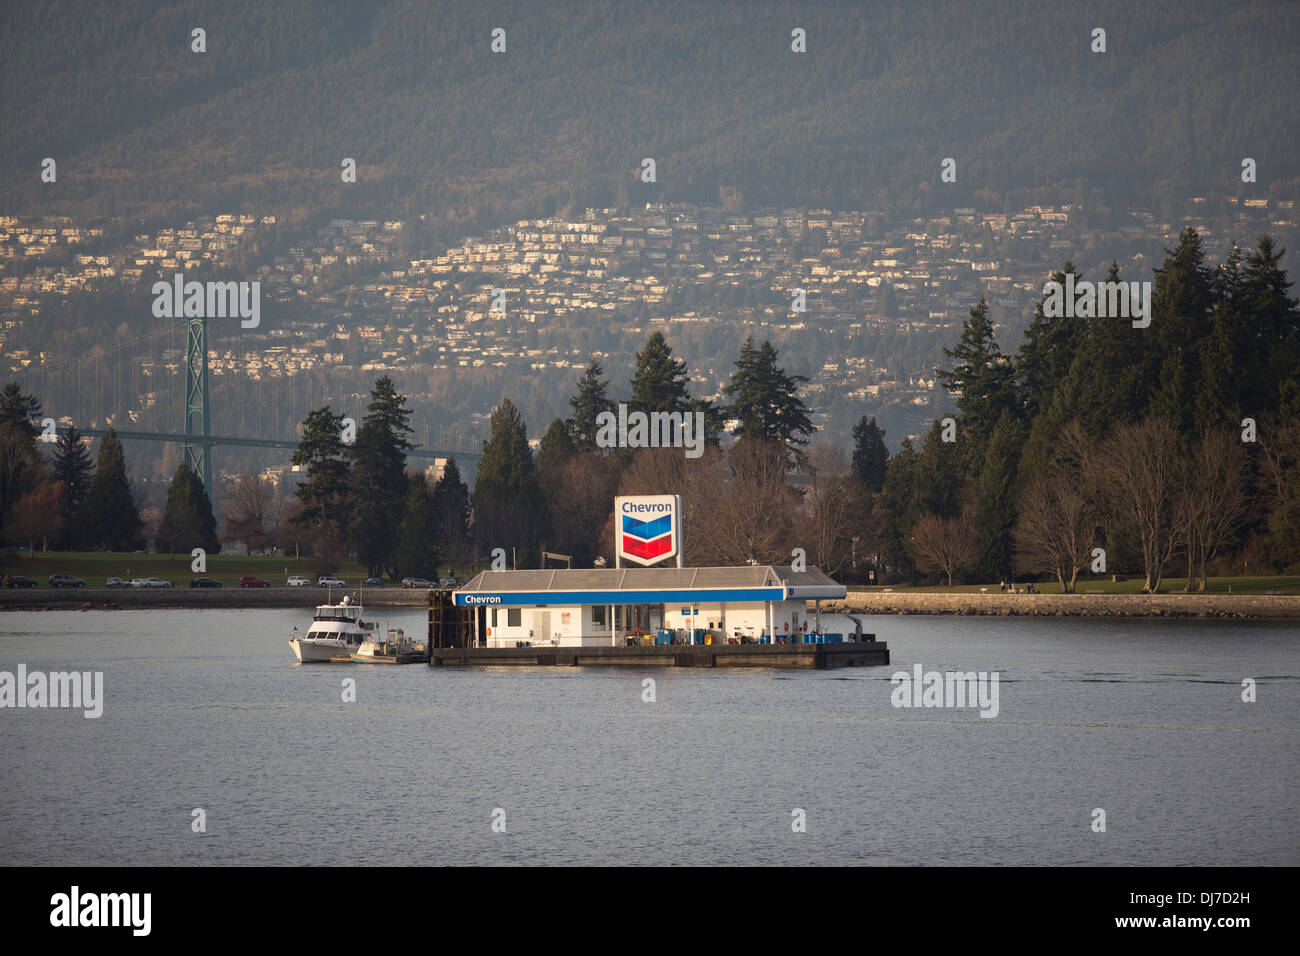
812,656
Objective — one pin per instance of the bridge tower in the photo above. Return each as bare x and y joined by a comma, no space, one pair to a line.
197,453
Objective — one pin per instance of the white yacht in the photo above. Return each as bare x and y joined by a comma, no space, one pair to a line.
336,631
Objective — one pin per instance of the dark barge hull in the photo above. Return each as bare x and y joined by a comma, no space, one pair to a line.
812,656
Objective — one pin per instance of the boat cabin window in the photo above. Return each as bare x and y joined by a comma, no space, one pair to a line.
336,614
598,616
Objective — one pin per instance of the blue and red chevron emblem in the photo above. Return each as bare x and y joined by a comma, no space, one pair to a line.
647,540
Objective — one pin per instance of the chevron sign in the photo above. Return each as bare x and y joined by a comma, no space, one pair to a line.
648,527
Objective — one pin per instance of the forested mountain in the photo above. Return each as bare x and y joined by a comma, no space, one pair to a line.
442,127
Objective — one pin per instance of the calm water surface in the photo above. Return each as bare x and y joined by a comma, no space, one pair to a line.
207,709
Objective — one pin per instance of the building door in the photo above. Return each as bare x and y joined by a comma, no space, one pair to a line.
542,627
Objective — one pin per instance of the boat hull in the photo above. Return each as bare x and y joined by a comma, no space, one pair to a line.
319,652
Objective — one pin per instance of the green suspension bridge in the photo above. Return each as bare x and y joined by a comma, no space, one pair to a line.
136,387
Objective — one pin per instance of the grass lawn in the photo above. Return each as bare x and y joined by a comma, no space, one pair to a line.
95,567
1284,584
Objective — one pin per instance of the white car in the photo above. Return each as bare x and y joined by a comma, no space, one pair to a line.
416,583
138,583
117,583
298,581
329,581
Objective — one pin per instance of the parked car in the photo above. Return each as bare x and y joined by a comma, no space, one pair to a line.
374,582
416,583
329,581
446,582
204,583
18,581
298,581
156,583
116,583
248,581
138,583
66,581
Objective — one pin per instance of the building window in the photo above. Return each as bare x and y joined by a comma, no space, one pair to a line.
598,617
494,617
514,617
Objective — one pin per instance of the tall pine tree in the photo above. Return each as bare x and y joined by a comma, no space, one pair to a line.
870,456
984,380
187,520
587,403
659,380
765,399
509,508
378,476
112,512
71,467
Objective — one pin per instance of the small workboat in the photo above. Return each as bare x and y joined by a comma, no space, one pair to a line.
396,648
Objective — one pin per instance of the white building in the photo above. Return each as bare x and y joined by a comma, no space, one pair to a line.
607,606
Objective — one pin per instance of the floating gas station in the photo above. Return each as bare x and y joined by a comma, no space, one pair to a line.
768,615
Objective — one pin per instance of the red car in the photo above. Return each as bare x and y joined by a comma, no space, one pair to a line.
251,582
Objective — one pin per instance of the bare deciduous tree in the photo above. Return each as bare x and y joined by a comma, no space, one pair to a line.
248,507
1055,530
945,545
829,505
583,495
753,511
1140,469
1212,500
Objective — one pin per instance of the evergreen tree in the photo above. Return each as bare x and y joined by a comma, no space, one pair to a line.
416,553
22,410
870,456
509,508
112,513
20,462
1049,349
659,380
1272,356
766,400
1225,351
451,515
1109,381
72,467
587,403
1181,301
378,481
938,477
995,500
187,520
322,452
898,505
556,448
984,380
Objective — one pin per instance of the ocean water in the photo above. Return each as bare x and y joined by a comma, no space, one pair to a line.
208,710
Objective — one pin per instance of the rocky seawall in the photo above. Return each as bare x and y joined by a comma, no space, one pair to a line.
109,599
1071,605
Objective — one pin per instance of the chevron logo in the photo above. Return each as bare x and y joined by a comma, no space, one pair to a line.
650,539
